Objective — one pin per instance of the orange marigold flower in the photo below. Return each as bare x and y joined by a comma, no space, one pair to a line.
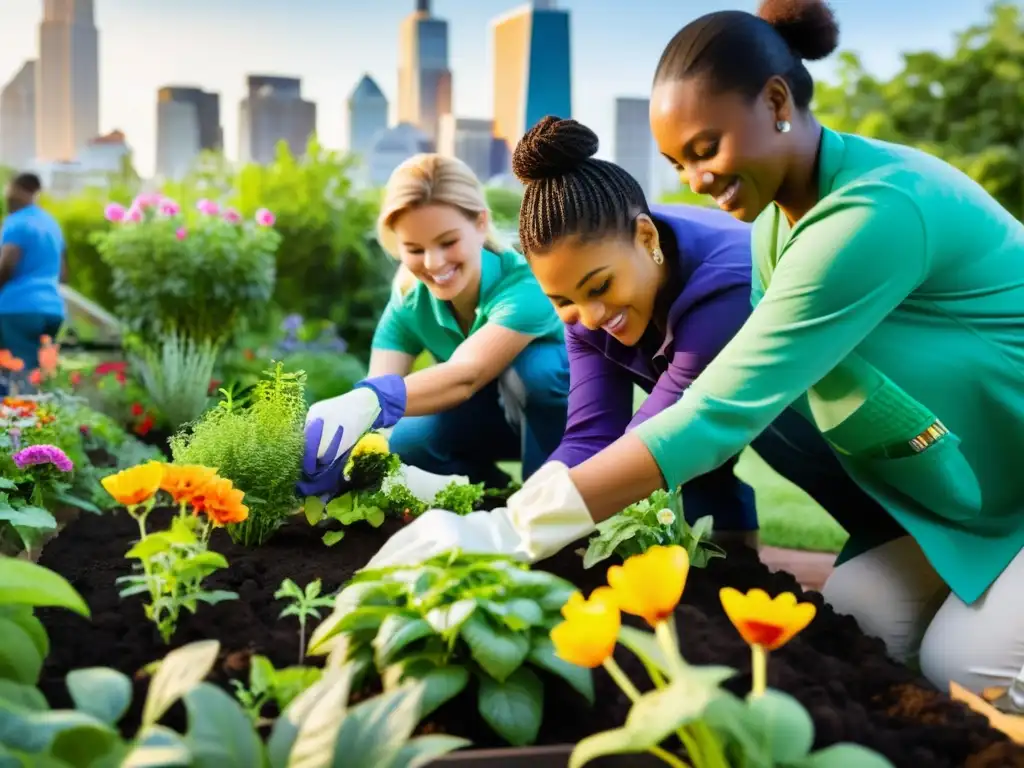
184,481
221,502
136,485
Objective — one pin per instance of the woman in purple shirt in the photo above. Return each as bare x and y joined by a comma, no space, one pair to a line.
649,296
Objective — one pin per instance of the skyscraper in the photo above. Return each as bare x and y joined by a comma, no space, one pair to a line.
367,116
67,80
187,123
470,140
532,68
274,110
18,118
424,80
634,144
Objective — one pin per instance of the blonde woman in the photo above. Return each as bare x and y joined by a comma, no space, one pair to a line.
500,386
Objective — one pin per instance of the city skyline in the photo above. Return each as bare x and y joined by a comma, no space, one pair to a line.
330,47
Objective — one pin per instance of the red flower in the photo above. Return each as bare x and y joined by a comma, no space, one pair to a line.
104,368
143,427
35,378
214,386
76,378
137,409
84,429
121,378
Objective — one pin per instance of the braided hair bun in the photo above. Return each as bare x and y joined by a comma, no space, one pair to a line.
551,149
808,26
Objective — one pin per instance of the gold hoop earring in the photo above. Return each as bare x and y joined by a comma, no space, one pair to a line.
658,256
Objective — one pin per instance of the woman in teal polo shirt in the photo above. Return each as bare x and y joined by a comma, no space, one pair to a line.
500,388
889,310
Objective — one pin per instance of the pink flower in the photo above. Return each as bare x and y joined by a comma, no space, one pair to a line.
169,208
43,454
181,233
209,207
265,218
133,214
231,216
147,200
114,212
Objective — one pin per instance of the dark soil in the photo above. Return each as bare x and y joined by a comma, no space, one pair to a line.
852,691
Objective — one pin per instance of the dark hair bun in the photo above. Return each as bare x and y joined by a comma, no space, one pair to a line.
552,148
808,26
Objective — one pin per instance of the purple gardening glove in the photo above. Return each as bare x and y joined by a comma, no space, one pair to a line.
333,427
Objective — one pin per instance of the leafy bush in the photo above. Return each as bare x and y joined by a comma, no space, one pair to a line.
176,373
257,444
201,274
453,618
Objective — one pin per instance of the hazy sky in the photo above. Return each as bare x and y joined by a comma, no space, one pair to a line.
145,44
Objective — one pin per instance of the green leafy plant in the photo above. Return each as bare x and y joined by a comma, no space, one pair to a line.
657,519
176,371
318,727
453,619
268,685
256,443
304,603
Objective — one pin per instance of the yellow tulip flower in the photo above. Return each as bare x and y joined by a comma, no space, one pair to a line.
371,442
761,620
588,635
135,485
650,585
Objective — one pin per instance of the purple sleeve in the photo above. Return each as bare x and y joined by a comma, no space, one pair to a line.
699,336
600,403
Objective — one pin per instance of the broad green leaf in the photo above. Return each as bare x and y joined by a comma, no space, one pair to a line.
6,484
28,517
349,600
24,617
81,743
661,712
441,683
20,659
844,756
542,654
374,516
513,708
332,537
517,614
328,697
220,735
149,547
101,692
451,618
158,747
314,743
36,731
373,732
78,503
498,650
313,507
786,730
22,696
25,583
180,671
424,750
730,718
396,632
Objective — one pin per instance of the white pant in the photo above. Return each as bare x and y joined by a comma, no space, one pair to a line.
896,595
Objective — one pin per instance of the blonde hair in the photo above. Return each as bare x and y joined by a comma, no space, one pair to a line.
424,179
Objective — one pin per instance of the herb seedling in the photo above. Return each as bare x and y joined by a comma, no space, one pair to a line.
266,685
304,603
455,618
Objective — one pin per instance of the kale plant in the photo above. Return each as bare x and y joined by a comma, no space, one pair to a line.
453,619
256,443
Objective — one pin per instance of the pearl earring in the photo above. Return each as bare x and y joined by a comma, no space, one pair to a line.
783,126
658,256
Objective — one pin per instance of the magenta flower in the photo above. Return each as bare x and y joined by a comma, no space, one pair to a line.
231,216
265,218
181,233
114,212
147,200
169,208
35,455
133,214
209,207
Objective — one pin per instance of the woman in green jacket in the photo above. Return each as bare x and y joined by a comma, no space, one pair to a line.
889,310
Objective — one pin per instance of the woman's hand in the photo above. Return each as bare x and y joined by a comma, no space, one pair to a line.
544,516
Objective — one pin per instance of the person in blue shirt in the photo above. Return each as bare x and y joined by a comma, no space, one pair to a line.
32,266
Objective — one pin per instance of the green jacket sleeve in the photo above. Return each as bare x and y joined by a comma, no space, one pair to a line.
394,330
844,269
521,306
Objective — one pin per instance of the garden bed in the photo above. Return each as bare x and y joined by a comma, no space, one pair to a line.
851,689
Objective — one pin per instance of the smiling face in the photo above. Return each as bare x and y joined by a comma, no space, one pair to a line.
609,284
722,144
440,245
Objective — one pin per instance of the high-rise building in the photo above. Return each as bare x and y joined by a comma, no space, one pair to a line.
187,123
67,80
424,80
392,148
634,144
532,68
18,118
274,110
367,116
470,140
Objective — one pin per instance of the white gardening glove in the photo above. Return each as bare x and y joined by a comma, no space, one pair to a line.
353,413
422,484
544,516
